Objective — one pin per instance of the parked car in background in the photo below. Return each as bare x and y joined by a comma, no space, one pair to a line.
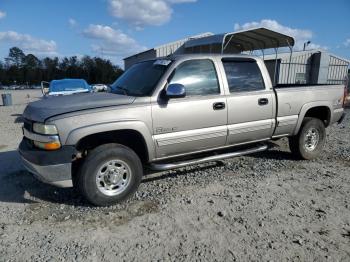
99,88
14,87
65,87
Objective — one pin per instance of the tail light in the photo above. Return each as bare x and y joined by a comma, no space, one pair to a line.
345,91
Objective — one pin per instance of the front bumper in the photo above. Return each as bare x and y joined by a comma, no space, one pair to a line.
51,167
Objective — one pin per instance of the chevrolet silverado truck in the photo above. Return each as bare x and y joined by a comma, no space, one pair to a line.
168,113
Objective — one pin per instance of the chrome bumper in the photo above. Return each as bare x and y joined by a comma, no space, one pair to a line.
51,174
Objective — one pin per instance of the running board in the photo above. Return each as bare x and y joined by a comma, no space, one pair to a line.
169,166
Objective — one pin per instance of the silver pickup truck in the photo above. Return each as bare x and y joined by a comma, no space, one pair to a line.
167,113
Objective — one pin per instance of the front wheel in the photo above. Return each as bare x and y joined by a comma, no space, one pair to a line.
110,174
310,140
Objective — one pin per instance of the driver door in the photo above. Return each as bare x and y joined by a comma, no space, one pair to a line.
195,122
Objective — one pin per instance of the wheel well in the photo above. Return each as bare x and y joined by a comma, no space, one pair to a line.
321,112
129,138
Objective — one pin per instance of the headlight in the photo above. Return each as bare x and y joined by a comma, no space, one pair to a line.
45,129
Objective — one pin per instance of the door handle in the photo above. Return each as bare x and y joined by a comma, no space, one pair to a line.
263,101
219,106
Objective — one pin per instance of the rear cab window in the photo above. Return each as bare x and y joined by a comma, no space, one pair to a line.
198,76
243,75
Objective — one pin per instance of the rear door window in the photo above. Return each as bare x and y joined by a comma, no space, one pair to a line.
243,75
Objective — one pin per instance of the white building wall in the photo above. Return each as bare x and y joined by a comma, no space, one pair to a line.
337,70
300,64
311,67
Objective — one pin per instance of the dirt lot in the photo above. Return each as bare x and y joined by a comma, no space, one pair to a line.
267,207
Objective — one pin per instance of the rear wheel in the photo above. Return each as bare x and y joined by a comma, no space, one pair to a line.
110,174
310,140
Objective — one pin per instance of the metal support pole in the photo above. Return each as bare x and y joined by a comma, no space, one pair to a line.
290,60
228,42
275,73
223,43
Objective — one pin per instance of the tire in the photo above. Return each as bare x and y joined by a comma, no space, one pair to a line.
110,174
310,140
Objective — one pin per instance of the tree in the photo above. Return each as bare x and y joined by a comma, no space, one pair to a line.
2,74
15,57
29,69
87,65
50,68
31,61
73,70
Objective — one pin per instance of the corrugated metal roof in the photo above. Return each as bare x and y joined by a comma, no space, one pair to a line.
185,40
169,47
245,40
138,53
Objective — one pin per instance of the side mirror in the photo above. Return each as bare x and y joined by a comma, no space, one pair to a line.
175,91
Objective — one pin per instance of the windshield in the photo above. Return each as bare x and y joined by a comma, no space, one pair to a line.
68,85
141,78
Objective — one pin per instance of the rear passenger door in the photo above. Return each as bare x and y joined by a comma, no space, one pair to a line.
250,103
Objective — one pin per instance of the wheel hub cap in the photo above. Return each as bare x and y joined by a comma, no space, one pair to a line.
311,139
113,177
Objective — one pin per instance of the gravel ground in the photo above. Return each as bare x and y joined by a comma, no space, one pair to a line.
267,207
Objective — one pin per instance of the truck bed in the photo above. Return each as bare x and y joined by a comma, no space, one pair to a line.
294,101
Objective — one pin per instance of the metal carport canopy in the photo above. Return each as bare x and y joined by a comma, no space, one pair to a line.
245,40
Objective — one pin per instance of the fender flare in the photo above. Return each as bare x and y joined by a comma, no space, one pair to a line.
77,134
309,106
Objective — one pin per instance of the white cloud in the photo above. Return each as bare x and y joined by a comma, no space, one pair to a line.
141,13
72,22
2,14
347,42
111,42
29,43
300,35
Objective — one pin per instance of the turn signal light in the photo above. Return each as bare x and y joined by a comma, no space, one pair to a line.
48,146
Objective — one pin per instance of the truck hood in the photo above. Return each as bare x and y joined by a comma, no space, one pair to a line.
43,109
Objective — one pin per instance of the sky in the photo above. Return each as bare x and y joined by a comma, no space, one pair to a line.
115,29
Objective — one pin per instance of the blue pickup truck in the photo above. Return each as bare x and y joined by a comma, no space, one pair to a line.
65,87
